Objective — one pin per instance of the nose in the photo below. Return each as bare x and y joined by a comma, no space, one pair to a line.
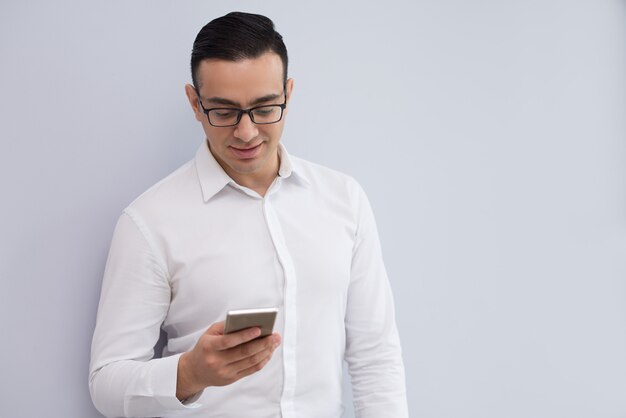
246,130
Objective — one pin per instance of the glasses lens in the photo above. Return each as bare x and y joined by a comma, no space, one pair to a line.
267,114
223,117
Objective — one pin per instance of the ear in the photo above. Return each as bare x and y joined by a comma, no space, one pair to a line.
192,96
288,91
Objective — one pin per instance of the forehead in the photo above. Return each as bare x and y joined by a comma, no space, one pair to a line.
242,80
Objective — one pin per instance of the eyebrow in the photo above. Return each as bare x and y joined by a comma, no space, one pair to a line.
227,102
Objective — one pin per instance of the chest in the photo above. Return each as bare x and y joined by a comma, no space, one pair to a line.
232,254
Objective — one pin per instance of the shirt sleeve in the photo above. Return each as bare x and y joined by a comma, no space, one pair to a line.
124,379
373,350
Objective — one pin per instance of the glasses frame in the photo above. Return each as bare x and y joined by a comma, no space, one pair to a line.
248,111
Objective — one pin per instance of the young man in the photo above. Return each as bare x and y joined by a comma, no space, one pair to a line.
246,225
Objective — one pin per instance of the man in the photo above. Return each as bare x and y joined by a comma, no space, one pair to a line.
246,225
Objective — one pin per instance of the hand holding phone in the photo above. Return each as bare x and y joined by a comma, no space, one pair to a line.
220,358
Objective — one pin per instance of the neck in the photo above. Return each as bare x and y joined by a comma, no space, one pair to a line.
259,183
259,180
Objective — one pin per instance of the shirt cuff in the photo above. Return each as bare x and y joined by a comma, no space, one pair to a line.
164,377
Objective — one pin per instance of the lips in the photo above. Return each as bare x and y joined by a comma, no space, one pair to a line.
247,153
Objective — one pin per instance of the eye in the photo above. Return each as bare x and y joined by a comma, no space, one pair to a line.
263,111
224,113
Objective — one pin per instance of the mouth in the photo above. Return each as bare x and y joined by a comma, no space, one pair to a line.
246,153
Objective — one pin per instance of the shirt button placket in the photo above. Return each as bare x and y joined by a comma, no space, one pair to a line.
290,311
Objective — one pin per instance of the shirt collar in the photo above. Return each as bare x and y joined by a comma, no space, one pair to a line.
213,178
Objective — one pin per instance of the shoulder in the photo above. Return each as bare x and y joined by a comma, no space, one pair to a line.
176,188
320,176
331,186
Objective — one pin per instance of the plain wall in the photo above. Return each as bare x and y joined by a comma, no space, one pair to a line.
489,135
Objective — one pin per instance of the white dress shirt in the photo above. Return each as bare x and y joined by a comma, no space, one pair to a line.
197,244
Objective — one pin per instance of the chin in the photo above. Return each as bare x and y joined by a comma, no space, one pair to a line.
246,167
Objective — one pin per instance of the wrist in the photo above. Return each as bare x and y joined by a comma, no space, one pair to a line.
186,386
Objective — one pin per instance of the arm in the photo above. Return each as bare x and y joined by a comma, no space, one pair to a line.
373,350
124,379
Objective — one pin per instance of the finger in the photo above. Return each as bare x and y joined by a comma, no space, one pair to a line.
236,338
251,364
277,338
248,349
216,329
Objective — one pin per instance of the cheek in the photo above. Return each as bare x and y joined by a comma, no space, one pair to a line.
274,131
217,136
216,143
278,131
272,135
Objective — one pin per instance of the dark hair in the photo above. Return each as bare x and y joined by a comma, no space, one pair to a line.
237,36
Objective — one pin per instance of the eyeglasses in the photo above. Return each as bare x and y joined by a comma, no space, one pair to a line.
222,117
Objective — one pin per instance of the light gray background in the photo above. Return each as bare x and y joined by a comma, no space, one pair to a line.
489,135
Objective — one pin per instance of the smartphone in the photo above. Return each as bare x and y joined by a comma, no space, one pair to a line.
263,318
